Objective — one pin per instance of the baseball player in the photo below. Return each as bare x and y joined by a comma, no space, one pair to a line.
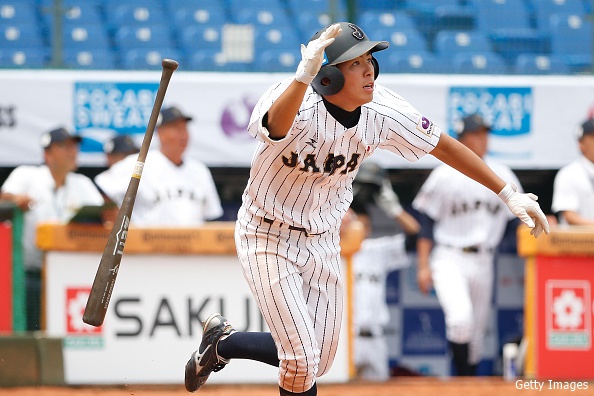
462,224
175,191
51,192
573,190
376,257
314,130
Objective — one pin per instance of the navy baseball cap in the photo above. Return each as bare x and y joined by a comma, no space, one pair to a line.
171,114
587,128
120,144
57,135
472,123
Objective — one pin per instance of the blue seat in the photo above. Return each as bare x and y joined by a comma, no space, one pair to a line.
84,36
571,38
135,15
319,6
277,61
239,4
449,42
385,5
23,58
79,14
45,5
405,40
200,37
540,64
17,13
148,59
23,36
90,59
309,23
373,19
280,37
199,15
269,16
473,63
412,62
544,9
432,16
173,5
113,4
211,60
144,36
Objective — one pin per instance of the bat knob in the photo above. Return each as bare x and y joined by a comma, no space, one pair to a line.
169,64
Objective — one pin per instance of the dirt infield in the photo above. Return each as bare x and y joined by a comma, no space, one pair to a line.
420,386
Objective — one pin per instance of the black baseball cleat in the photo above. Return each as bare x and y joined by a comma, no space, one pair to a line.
206,359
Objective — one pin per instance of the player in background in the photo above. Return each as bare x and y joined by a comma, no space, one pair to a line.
175,190
314,131
462,224
377,256
48,193
119,147
573,191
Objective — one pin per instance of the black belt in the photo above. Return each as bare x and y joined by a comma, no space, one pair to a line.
473,249
366,333
290,227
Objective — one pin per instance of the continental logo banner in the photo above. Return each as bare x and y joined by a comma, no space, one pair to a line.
213,238
562,241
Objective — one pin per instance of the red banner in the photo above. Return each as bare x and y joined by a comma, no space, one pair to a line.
5,277
564,315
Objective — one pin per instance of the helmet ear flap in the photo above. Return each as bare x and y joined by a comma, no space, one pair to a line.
328,81
375,67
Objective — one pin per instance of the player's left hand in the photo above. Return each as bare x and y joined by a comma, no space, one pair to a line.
312,56
526,207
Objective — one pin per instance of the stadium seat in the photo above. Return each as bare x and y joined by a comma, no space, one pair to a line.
540,64
373,19
308,23
206,60
135,15
544,9
80,14
432,16
199,15
277,61
147,36
449,42
147,59
571,38
23,36
17,13
484,63
387,5
174,5
90,59
83,36
404,40
412,62
265,16
337,7
45,5
23,58
199,37
275,38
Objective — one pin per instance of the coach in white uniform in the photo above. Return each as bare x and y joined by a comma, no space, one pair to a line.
175,190
51,192
462,224
573,192
314,130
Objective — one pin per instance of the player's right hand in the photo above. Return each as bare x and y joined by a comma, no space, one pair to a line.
424,280
312,56
526,208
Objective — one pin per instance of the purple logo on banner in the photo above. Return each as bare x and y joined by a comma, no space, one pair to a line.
236,116
423,332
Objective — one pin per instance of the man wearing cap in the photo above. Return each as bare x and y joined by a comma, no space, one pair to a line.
573,189
462,224
314,129
175,190
118,148
50,192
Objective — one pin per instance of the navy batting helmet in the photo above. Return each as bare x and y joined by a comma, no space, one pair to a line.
351,43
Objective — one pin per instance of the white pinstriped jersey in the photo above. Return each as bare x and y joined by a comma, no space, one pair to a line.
305,178
574,189
466,213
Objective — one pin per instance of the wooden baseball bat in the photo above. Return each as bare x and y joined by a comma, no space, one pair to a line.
112,255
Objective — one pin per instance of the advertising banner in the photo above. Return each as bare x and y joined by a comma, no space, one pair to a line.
533,118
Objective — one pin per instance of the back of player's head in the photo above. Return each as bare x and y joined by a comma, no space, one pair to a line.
470,124
586,128
351,43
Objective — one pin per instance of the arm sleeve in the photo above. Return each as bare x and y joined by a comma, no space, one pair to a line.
427,224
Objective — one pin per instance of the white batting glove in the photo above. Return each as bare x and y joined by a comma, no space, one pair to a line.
526,208
388,201
312,56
